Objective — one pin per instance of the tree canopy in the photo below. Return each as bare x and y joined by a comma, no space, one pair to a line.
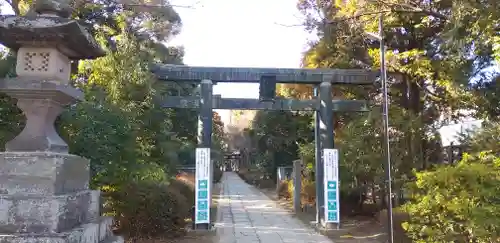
121,127
437,53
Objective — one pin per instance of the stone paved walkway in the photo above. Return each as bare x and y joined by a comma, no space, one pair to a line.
246,215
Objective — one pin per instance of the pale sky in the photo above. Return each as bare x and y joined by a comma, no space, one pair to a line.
241,33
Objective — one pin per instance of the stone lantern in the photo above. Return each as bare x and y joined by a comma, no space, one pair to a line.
44,190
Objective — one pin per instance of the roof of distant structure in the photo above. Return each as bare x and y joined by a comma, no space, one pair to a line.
450,133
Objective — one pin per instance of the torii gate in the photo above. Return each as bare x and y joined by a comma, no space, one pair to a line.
323,105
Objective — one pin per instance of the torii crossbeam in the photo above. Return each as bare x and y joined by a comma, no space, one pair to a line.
254,75
219,103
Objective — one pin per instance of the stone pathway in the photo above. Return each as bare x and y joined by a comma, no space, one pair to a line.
246,215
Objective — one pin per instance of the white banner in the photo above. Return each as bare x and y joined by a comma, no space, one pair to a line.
203,182
331,185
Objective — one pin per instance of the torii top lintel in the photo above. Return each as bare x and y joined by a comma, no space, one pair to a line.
254,75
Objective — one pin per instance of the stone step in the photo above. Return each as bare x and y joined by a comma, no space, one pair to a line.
106,231
113,239
97,232
43,173
38,214
105,228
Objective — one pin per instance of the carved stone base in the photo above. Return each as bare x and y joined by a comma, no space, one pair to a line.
41,214
98,232
42,173
44,197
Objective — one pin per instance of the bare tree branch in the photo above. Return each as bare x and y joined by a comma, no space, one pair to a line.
289,25
393,8
128,3
156,5
357,16
416,9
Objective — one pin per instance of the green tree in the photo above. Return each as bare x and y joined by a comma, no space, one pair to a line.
488,102
456,203
219,140
432,54
483,140
11,118
276,136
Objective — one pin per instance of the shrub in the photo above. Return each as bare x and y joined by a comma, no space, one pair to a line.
242,174
249,176
308,191
217,174
283,190
353,202
149,209
456,203
185,184
398,218
290,188
266,183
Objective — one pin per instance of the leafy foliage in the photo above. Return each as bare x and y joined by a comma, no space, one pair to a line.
488,100
456,203
11,118
150,209
484,140
134,145
276,139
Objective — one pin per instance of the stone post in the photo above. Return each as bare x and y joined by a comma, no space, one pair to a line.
297,185
280,174
45,195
